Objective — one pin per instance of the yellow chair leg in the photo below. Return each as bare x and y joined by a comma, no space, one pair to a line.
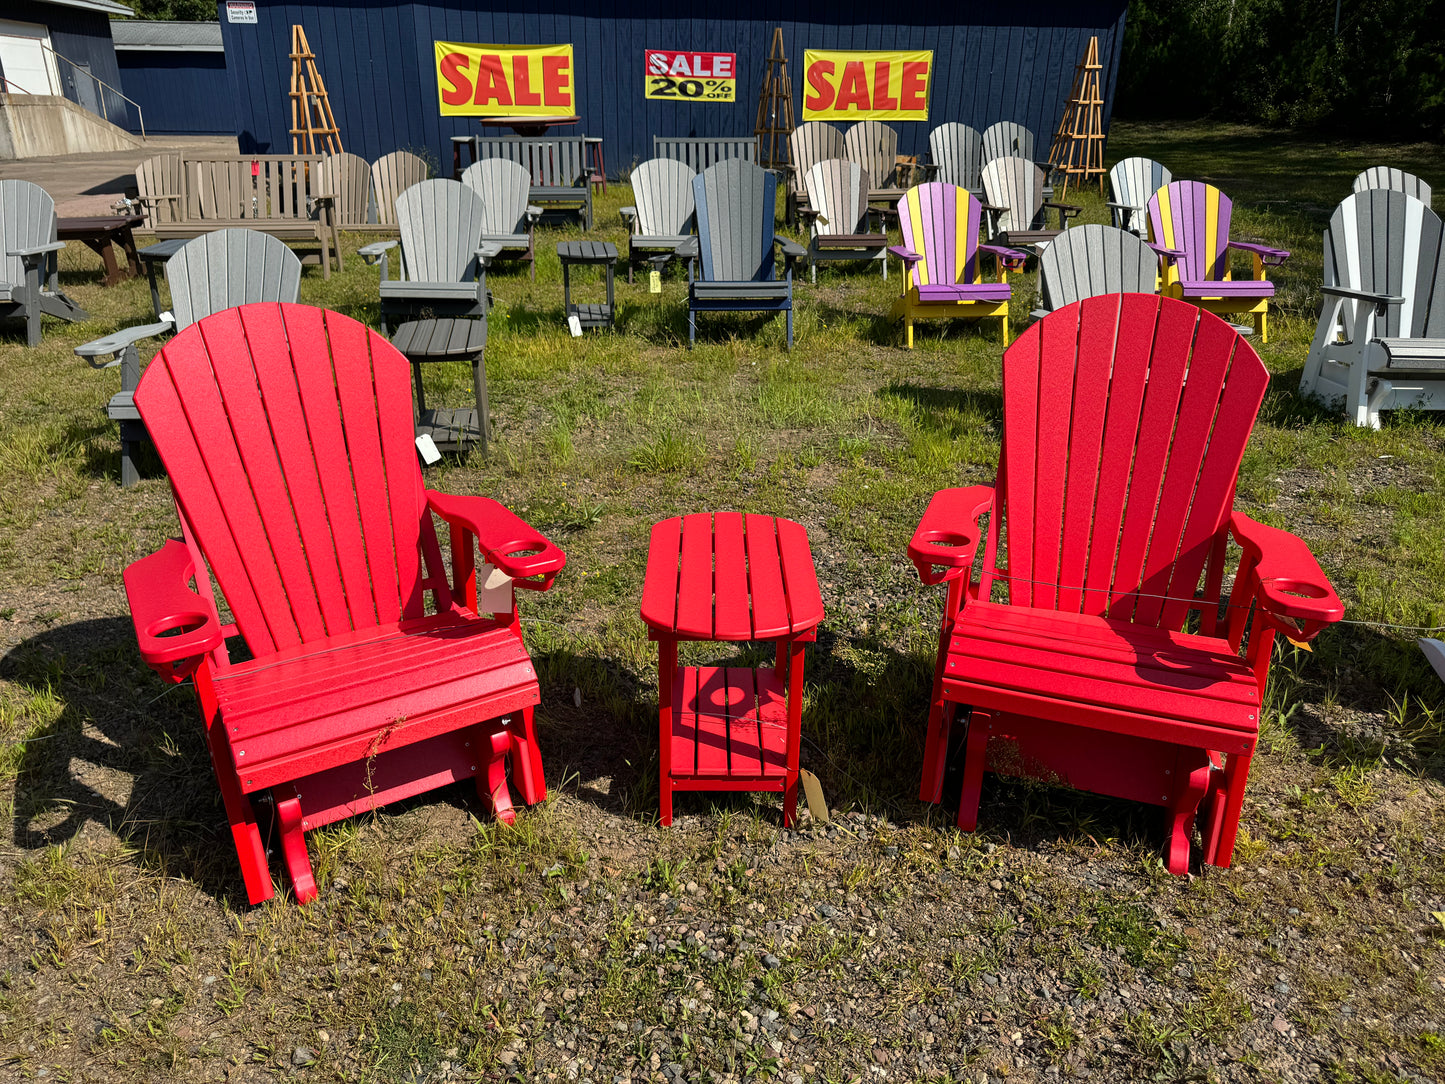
1261,326
1006,339
908,332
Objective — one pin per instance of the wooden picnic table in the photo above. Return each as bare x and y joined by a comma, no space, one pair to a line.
99,233
726,576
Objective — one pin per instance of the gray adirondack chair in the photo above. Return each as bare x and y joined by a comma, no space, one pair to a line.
811,142
662,217
214,271
443,259
1131,183
345,179
838,216
734,245
1016,205
508,220
957,153
161,187
1398,179
29,269
391,175
874,146
1380,341
1090,260
1007,139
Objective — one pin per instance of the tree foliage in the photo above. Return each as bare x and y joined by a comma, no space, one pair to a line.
196,11
1280,62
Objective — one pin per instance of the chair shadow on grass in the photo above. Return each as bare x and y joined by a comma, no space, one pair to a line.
120,754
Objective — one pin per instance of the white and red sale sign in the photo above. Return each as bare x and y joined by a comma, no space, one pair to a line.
689,76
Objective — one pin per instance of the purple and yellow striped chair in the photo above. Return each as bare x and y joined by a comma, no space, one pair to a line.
940,252
1189,228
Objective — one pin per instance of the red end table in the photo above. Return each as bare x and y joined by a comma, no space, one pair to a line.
730,577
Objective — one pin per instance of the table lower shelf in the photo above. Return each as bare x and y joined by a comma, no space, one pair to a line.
451,430
729,724
591,315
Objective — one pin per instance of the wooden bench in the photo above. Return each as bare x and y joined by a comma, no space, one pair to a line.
701,153
560,167
278,194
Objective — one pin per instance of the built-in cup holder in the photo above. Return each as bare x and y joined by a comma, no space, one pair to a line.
176,625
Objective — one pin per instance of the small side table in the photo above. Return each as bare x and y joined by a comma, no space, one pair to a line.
97,233
151,255
588,252
425,341
730,577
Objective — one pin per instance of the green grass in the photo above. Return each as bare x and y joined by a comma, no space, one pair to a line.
441,939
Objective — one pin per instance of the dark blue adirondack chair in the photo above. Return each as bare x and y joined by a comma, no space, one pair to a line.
736,201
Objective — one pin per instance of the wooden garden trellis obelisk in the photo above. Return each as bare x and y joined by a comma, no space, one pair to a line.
775,109
313,128
1078,148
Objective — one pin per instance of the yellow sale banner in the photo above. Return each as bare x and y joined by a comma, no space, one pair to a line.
855,85
504,80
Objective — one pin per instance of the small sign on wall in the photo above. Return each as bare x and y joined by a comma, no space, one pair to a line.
241,11
692,77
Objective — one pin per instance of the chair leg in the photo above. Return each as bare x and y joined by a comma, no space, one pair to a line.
789,315
32,305
497,794
1182,812
293,846
935,750
529,760
1236,775
245,834
974,761
691,327
1261,326
790,800
129,474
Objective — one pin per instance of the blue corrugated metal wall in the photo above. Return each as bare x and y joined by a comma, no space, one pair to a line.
179,92
82,37
994,62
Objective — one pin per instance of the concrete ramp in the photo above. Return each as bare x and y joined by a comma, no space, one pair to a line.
42,125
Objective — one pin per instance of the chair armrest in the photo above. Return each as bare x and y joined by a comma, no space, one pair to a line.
1012,257
534,212
1123,206
1363,295
992,208
36,250
506,540
1072,208
174,626
1167,253
1288,583
629,214
375,249
116,342
688,250
791,249
1272,257
948,534
907,255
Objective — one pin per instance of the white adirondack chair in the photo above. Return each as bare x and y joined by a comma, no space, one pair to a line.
345,180
874,146
812,142
391,175
662,216
1017,206
1380,341
29,270
508,221
1007,139
1389,177
1131,183
215,271
838,227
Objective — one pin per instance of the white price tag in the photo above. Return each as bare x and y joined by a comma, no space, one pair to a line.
574,325
654,282
494,590
428,449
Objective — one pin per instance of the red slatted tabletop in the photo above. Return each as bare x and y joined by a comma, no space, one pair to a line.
726,576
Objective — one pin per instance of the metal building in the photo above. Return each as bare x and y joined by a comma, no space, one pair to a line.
992,62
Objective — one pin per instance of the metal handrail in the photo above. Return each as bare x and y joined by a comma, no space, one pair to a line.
104,111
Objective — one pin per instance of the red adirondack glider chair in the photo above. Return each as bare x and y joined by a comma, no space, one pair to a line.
287,434
1107,533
